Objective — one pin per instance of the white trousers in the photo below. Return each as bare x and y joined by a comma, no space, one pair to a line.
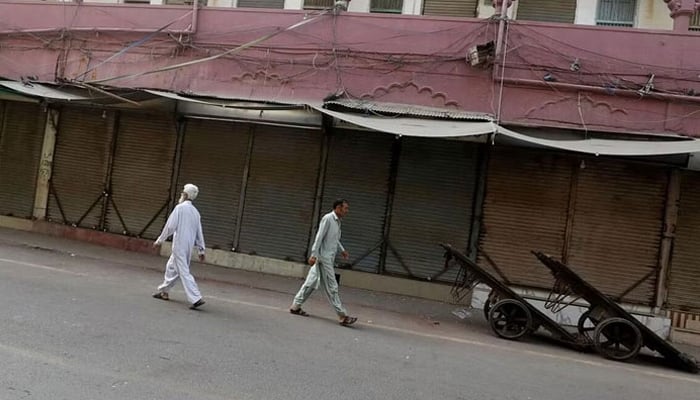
178,267
321,275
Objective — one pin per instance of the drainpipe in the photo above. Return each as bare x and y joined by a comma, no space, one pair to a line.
503,11
681,12
195,14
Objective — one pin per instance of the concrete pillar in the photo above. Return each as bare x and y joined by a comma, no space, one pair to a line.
681,12
41,196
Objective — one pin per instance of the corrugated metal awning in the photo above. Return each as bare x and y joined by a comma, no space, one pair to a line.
419,127
609,147
39,90
411,110
293,115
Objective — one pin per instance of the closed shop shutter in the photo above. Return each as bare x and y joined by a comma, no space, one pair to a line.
261,4
141,174
451,8
617,227
21,138
433,204
80,165
213,158
358,170
563,11
684,278
280,193
525,209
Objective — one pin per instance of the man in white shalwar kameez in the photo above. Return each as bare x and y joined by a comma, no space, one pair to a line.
185,226
322,260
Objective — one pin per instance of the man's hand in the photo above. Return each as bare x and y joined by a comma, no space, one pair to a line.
156,245
345,255
202,257
312,260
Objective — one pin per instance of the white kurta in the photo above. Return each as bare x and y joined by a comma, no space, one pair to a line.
184,225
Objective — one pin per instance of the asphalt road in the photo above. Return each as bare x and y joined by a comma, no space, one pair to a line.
74,326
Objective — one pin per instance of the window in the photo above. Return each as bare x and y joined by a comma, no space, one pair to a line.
318,4
695,21
450,8
616,12
184,2
386,6
560,11
261,4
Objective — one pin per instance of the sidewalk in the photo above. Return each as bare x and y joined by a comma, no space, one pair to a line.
411,311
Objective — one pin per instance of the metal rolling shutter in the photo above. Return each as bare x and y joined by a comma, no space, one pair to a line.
684,278
358,169
141,174
525,209
280,193
21,139
432,204
451,8
547,10
617,227
261,4
213,158
80,165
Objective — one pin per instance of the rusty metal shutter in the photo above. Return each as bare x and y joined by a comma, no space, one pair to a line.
21,139
358,170
141,174
261,4
80,163
684,277
280,193
525,208
213,158
617,227
451,8
563,11
433,204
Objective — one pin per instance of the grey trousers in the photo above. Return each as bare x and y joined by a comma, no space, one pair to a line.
325,276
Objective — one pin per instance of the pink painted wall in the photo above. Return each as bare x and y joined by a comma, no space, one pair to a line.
406,59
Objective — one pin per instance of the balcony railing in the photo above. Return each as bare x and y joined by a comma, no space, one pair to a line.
386,6
318,4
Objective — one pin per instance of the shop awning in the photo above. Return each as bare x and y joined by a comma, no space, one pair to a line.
39,90
292,115
419,127
608,147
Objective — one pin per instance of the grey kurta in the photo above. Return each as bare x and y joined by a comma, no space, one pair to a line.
325,248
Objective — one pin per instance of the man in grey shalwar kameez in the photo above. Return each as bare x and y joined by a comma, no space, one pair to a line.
184,225
322,259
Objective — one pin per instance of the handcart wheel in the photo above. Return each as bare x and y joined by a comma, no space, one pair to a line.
617,339
586,324
510,319
490,301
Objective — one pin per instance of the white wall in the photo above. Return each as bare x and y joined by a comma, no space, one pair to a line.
586,12
412,7
485,9
359,6
293,4
221,3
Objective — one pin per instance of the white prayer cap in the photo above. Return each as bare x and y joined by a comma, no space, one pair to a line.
191,190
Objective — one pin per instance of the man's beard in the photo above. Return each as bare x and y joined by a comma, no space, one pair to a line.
183,197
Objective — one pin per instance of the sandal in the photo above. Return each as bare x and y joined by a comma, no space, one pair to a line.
299,311
161,296
347,321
